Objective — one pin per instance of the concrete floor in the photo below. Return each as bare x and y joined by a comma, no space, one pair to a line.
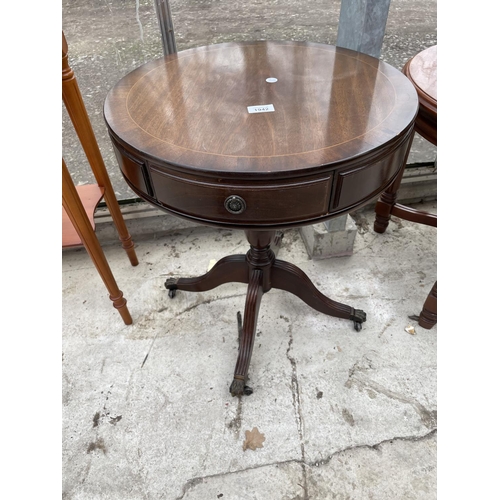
147,412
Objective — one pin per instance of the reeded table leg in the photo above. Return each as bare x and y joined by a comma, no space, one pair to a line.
247,335
262,271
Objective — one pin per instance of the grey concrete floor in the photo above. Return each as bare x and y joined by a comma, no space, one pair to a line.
147,412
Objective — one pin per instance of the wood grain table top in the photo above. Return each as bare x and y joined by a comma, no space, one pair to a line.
422,71
205,108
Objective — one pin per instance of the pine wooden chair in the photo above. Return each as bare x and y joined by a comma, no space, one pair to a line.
80,202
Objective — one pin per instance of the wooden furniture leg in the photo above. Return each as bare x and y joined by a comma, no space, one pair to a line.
421,70
232,269
76,212
290,278
260,259
386,207
387,200
428,315
75,106
262,271
247,335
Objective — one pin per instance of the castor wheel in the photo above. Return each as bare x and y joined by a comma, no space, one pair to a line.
359,317
238,388
171,286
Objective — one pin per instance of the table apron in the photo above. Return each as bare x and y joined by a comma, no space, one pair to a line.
266,202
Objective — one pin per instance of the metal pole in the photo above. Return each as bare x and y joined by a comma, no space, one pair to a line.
362,25
166,26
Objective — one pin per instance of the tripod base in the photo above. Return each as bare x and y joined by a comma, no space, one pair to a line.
260,269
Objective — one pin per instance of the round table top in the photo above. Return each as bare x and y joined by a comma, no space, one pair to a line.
260,107
422,71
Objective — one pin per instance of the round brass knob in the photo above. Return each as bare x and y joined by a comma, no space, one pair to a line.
235,204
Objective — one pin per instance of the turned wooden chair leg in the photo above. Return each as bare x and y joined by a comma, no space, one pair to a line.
76,212
428,315
75,106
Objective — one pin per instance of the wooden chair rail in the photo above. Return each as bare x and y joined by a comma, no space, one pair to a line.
413,215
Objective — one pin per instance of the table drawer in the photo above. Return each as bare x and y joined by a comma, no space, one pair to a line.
133,170
361,184
251,203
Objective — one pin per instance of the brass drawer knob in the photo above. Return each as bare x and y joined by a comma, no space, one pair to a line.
235,204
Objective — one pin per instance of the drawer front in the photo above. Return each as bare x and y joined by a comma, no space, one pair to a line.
358,185
133,170
284,201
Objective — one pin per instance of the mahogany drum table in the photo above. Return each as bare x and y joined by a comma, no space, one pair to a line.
261,136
